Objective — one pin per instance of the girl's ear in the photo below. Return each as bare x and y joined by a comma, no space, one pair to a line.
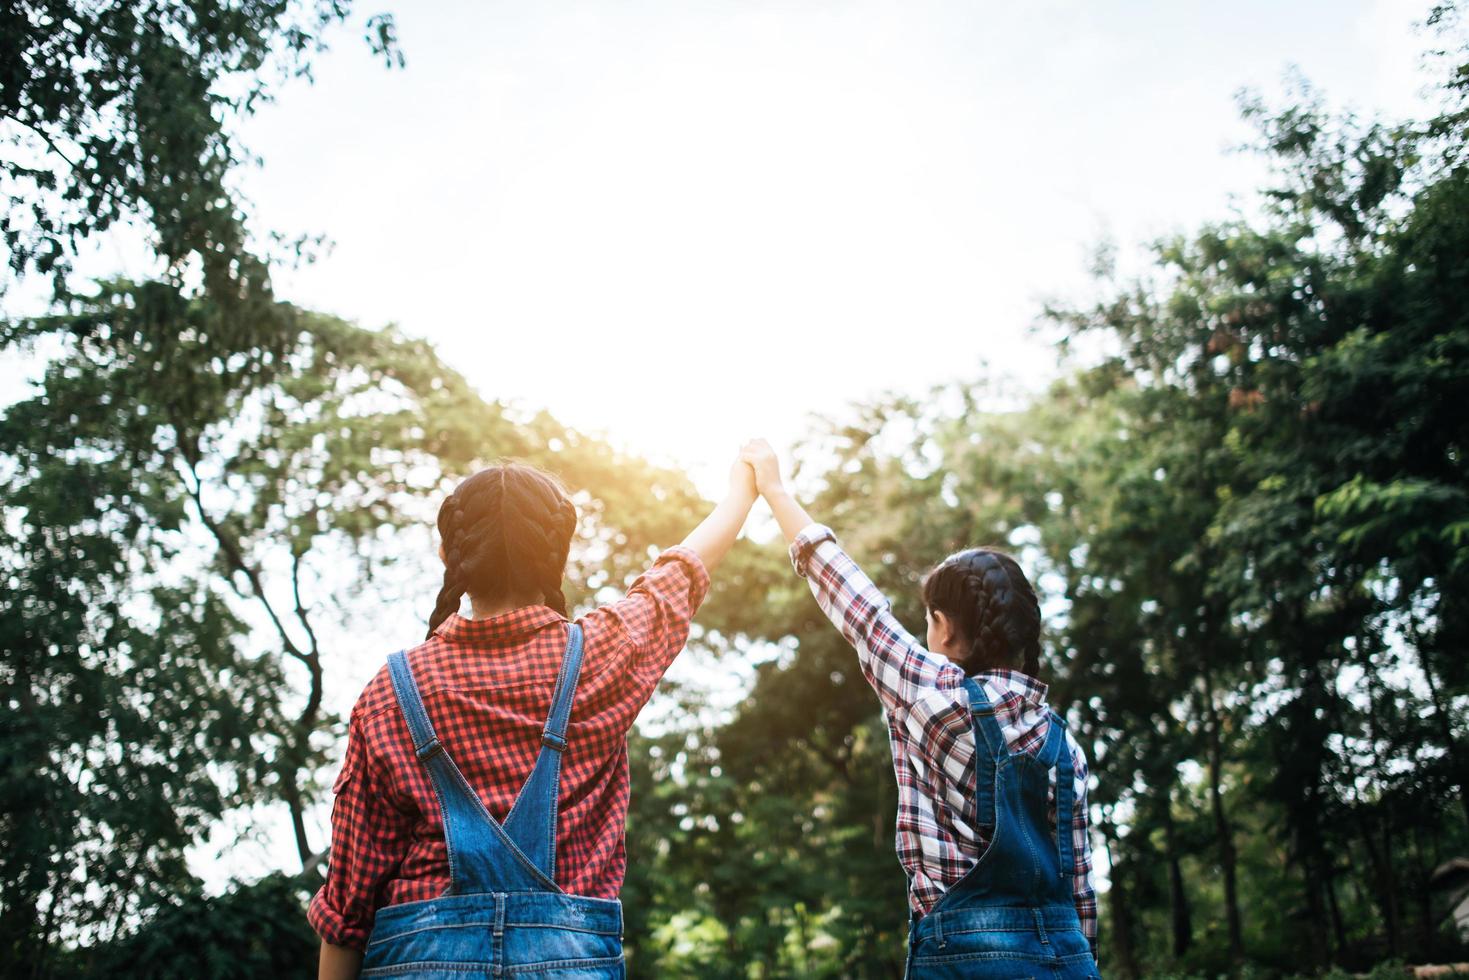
943,630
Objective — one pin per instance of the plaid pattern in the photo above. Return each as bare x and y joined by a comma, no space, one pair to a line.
927,713
487,687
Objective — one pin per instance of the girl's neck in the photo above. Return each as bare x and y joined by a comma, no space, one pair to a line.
499,607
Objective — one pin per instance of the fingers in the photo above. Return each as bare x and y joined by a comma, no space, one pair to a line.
756,449
764,462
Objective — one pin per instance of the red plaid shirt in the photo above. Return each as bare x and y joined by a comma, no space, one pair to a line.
487,686
928,719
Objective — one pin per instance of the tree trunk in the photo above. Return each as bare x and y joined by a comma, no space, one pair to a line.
1441,716
1117,900
1422,871
1338,927
297,741
1223,829
1315,894
1379,859
292,792
1183,930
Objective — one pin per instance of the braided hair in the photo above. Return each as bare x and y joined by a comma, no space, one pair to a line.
506,530
990,600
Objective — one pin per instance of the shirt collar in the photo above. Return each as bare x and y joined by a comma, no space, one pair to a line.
496,630
1018,682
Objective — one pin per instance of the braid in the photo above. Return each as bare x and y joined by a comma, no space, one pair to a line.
994,607
1032,664
447,602
539,524
504,529
564,526
1029,641
467,521
989,587
556,599
505,518
450,516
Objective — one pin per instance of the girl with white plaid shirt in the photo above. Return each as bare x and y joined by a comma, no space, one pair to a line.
992,788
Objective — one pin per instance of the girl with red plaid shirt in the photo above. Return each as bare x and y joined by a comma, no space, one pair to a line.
481,807
992,816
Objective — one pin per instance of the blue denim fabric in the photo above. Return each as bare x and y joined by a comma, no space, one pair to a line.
503,914
1012,915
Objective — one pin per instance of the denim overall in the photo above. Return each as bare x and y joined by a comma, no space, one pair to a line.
1012,915
503,913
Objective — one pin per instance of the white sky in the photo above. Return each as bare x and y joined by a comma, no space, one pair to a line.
685,223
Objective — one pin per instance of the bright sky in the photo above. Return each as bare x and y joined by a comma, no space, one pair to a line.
682,223
685,223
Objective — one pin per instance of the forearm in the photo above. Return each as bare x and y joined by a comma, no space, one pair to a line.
791,516
892,659
339,962
713,538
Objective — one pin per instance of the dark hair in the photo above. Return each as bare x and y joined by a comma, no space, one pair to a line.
990,600
507,527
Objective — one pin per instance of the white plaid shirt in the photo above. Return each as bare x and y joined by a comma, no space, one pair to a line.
927,713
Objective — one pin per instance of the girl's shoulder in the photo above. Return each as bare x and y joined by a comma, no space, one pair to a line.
378,696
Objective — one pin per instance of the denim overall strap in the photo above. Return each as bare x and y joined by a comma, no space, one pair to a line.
483,855
989,748
1065,797
532,820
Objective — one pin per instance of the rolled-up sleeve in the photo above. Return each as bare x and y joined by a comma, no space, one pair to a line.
894,662
804,546
369,840
1083,888
655,616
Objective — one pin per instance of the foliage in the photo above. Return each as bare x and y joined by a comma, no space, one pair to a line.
114,111
252,931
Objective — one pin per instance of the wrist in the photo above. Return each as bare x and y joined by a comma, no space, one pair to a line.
775,491
742,497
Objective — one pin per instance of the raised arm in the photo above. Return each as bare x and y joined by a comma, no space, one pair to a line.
653,619
716,534
894,662
789,514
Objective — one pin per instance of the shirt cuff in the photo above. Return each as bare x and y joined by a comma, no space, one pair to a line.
332,926
811,535
698,574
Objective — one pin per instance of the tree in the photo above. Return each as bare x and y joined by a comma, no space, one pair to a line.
115,111
171,572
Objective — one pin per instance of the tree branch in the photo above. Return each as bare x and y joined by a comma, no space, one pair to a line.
312,658
236,561
44,136
295,754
